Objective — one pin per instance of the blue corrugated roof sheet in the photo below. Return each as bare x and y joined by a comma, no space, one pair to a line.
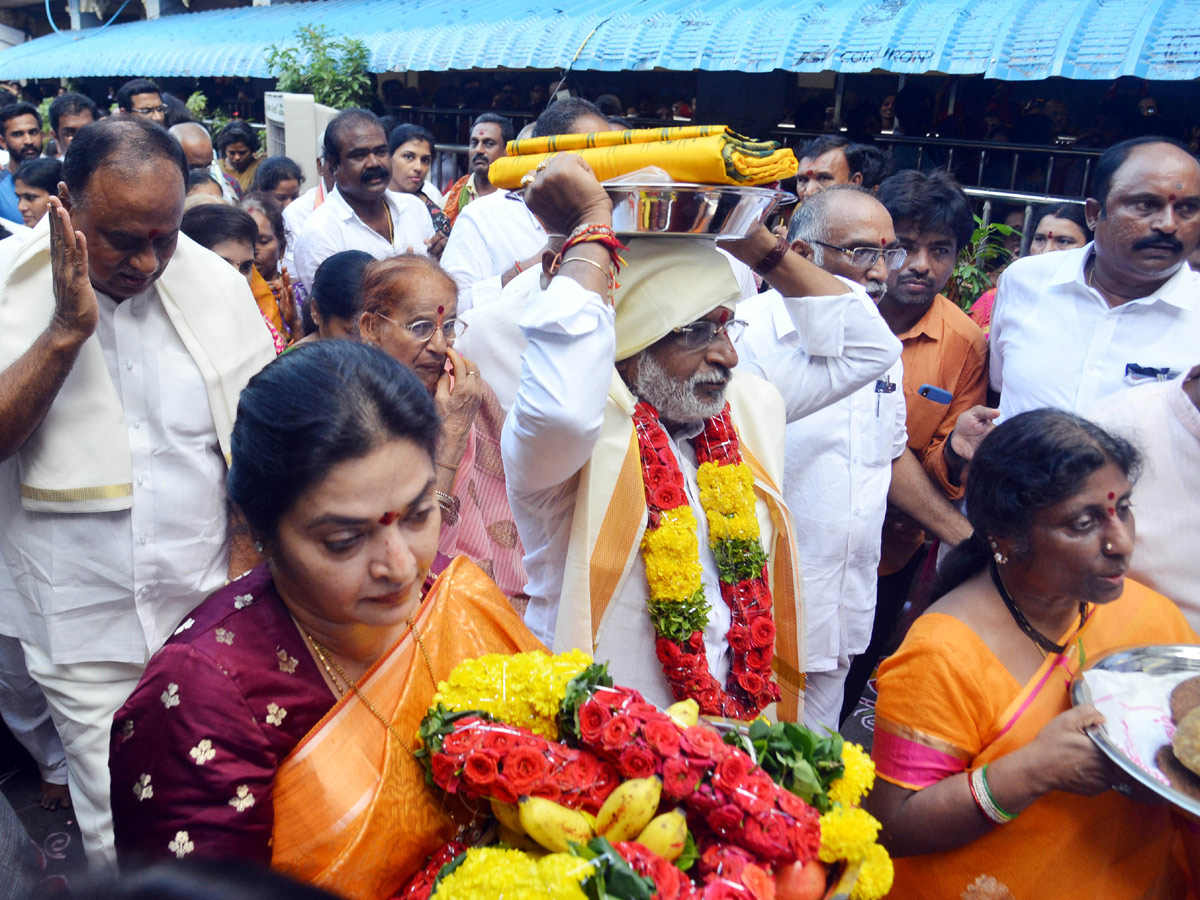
1010,39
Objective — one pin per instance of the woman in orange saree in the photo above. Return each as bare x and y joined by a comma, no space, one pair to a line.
279,723
986,770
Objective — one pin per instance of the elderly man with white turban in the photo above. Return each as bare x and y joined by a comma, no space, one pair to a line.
644,473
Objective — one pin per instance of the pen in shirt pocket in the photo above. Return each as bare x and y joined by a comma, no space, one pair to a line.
884,385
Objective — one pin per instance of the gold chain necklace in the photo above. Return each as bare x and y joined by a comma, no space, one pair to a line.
335,672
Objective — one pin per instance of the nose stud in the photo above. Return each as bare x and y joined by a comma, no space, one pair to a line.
1108,547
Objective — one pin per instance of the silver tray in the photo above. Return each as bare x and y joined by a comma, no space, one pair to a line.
1159,659
719,212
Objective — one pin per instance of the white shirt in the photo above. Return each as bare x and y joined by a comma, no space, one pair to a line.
493,340
113,586
1056,342
1162,422
295,214
837,470
334,227
431,192
489,235
11,244
557,417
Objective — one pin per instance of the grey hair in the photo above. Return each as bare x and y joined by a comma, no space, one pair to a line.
810,222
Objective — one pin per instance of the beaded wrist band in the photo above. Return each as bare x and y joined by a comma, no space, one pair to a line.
982,795
768,263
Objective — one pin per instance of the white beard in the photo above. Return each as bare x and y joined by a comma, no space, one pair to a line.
676,400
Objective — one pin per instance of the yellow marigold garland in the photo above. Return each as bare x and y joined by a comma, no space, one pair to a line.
523,689
857,779
727,495
672,556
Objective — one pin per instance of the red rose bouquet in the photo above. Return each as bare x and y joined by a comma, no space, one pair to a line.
468,754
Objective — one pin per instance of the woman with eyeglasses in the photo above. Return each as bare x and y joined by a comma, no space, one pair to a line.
410,310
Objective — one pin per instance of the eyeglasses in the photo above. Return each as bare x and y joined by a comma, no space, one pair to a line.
423,330
865,257
700,335
150,110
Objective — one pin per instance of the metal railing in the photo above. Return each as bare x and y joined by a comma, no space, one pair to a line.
1024,168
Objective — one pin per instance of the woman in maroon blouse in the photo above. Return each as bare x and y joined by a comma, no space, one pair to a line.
337,485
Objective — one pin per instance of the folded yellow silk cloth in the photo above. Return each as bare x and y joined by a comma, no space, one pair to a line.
716,159
555,142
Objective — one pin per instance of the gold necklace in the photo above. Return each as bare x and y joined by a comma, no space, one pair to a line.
391,225
335,672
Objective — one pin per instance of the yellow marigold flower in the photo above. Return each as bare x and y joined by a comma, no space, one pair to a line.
561,874
672,556
489,873
875,876
735,527
523,689
727,495
857,780
846,833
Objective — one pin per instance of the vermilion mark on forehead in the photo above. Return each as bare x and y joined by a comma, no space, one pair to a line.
725,314
153,233
388,518
809,173
1112,496
1172,198
1050,237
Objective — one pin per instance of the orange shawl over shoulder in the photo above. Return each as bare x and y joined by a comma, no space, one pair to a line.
947,705
352,811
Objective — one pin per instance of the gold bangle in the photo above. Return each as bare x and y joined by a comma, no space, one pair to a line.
605,270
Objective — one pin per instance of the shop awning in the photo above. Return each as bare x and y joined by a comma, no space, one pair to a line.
1009,39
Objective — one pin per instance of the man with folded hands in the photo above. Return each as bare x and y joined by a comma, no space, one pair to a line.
123,349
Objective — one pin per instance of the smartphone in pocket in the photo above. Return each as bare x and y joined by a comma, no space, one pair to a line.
934,393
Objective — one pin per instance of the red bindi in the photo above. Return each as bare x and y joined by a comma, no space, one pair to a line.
809,173
154,231
1172,198
1112,496
882,242
1049,235
1111,511
725,314
388,518
441,309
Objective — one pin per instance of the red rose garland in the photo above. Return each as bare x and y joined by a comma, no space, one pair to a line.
679,619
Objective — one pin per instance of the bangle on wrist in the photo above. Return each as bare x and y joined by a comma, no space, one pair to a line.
981,793
774,257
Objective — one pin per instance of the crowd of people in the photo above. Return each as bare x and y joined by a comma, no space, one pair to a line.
270,450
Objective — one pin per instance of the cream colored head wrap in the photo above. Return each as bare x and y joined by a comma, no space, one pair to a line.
667,283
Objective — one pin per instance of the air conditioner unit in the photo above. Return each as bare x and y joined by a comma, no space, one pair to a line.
295,123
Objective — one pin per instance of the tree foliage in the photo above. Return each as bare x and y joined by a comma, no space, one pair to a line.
973,273
333,71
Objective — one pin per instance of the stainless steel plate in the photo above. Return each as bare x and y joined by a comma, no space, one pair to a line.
720,212
1161,659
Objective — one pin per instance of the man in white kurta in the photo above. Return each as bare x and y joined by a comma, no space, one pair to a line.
115,419
838,465
1163,421
560,432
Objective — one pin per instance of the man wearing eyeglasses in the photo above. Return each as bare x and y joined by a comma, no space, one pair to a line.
839,460
142,98
655,363
945,378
